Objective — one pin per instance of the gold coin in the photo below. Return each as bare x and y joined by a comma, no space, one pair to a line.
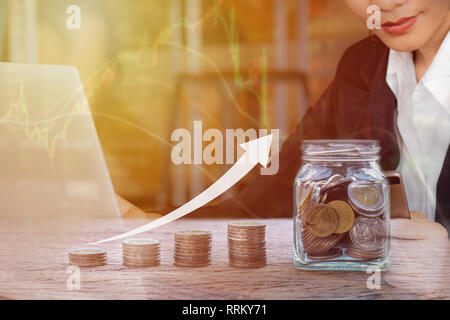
346,215
87,260
192,259
138,260
324,198
193,235
246,225
307,190
192,262
245,264
89,264
321,220
141,242
311,197
315,245
247,232
250,245
141,264
91,252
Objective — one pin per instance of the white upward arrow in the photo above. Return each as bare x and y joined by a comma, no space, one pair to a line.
256,151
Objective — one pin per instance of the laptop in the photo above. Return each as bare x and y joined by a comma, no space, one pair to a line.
51,161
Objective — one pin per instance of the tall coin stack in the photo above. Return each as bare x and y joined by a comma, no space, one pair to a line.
192,248
88,257
141,252
247,244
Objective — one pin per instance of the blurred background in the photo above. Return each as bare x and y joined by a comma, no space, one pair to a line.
150,67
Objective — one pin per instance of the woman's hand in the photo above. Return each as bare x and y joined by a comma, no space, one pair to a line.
419,227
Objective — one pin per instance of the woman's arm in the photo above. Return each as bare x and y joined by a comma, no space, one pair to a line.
129,210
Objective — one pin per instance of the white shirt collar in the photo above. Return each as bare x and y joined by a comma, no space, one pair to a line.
436,79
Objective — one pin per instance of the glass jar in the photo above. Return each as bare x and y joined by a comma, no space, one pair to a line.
342,207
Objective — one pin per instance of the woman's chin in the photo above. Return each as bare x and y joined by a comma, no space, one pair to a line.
402,43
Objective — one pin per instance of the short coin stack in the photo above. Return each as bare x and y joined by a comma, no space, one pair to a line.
192,248
247,244
88,257
141,252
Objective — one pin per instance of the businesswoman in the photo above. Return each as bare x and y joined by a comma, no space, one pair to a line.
393,87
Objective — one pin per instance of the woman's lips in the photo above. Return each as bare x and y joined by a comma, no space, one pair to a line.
399,26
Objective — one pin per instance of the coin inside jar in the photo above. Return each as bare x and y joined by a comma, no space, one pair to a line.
321,220
309,196
346,215
330,254
315,245
337,183
366,197
356,253
334,178
306,191
368,234
336,189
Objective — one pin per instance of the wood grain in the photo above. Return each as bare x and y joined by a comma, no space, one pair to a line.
33,265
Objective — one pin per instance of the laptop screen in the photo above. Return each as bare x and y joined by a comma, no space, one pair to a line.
51,162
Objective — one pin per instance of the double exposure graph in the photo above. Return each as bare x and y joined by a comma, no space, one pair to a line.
48,143
131,65
43,126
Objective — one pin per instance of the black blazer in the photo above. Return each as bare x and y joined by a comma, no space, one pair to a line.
358,104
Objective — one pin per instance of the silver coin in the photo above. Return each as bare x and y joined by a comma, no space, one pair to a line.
141,242
368,234
87,252
366,197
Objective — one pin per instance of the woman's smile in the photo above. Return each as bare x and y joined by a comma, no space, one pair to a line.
400,26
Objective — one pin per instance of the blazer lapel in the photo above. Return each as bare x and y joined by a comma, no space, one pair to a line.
380,119
442,194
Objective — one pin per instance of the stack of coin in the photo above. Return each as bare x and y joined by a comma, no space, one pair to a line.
247,244
88,257
192,248
141,252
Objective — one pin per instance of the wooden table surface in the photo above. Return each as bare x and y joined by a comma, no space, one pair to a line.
33,265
